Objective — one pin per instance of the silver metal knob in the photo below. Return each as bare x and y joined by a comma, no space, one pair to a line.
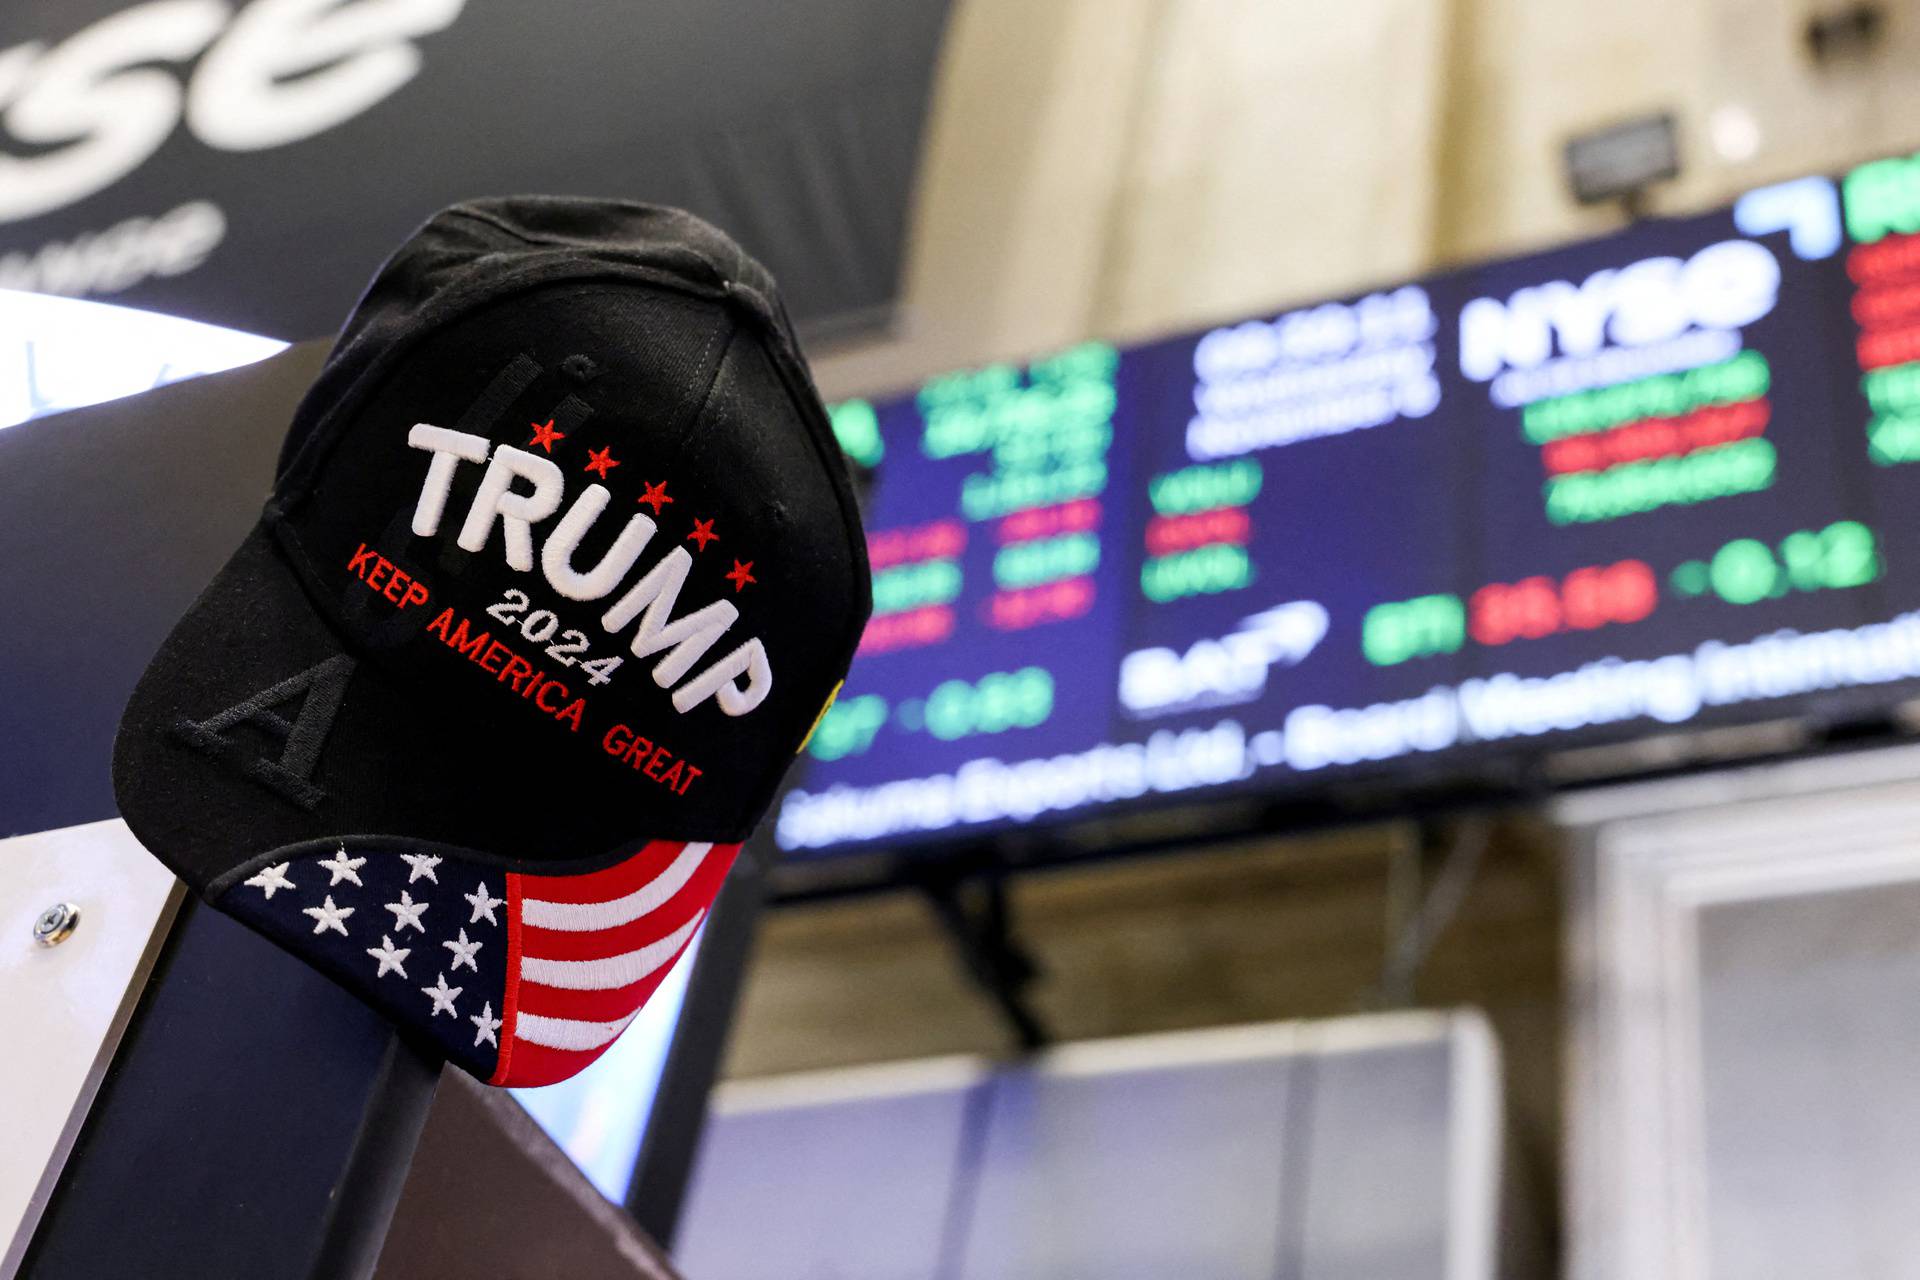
56,924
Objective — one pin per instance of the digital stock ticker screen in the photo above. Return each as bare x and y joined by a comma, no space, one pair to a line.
1661,479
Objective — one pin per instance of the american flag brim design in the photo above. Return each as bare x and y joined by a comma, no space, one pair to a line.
519,979
587,951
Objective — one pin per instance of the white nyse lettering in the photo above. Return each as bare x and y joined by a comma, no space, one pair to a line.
92,100
119,257
1723,286
96,108
289,69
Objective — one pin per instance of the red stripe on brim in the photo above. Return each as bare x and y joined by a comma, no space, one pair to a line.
694,896
526,1065
610,1005
608,883
535,1065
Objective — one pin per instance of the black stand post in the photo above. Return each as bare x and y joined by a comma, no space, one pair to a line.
257,1121
973,909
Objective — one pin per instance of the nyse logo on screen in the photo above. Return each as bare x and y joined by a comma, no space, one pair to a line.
1646,317
1224,672
81,114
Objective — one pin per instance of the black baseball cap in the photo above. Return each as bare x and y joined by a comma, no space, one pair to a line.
560,568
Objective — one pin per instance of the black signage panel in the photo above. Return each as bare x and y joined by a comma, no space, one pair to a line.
250,162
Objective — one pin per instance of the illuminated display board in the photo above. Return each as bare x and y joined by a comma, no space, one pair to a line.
1658,479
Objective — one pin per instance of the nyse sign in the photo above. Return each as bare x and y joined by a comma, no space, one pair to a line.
250,162
1672,311
88,111
96,106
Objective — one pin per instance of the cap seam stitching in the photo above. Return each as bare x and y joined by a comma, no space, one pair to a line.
454,309
833,463
732,328
487,219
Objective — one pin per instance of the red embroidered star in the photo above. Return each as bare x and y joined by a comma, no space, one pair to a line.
740,576
601,460
655,496
545,436
703,533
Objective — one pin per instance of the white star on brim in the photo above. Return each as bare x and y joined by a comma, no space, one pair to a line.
327,916
486,1025
343,867
483,905
442,996
390,957
407,912
463,952
272,879
420,864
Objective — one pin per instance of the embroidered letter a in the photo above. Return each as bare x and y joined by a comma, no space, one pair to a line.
319,689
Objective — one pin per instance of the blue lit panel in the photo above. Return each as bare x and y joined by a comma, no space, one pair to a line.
1664,477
